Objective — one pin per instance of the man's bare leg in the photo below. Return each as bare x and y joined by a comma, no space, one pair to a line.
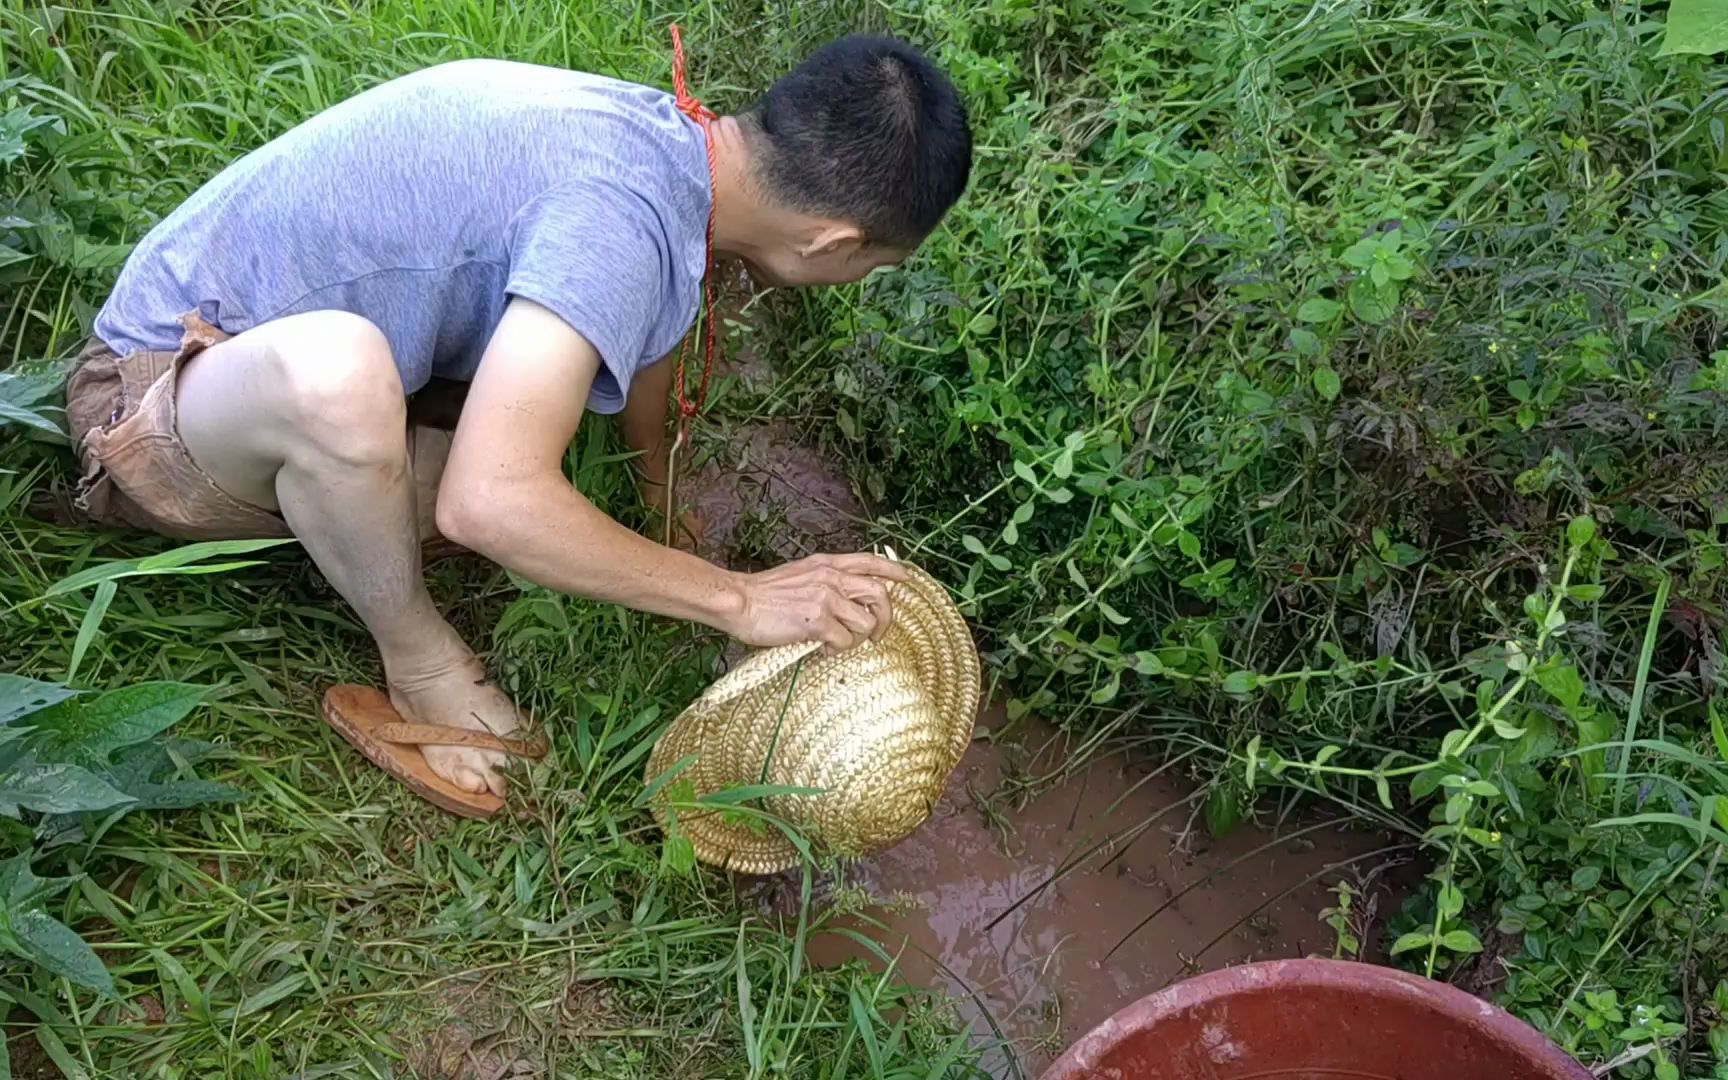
306,415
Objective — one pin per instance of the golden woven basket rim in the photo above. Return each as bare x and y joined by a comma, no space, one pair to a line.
932,651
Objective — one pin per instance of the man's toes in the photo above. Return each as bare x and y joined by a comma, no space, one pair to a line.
469,779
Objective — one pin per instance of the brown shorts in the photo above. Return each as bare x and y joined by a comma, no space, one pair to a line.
137,472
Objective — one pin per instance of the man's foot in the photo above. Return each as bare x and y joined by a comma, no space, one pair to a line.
455,692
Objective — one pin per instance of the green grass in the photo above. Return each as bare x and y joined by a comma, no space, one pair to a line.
331,924
1259,385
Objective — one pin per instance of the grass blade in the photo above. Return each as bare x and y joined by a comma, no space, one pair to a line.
89,625
1636,711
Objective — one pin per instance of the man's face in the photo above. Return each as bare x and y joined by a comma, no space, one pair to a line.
783,267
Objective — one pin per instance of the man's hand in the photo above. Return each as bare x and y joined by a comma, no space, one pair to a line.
839,600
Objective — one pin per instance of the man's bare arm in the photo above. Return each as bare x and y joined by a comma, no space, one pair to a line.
504,495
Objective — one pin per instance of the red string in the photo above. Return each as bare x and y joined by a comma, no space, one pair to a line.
704,117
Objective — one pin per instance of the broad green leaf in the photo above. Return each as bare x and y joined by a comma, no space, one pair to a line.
1718,732
1113,615
21,697
1372,303
1318,310
1240,682
1195,509
58,788
1593,731
1461,941
1450,900
1105,694
1695,26
1506,729
85,731
21,888
1418,939
1361,254
1586,877
51,943
1223,811
146,772
1562,682
29,932
1064,466
1078,578
30,418
1327,384
1580,531
1305,342
89,255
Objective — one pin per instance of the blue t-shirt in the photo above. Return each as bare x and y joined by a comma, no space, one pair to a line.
425,203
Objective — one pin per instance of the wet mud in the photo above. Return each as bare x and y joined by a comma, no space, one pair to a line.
999,906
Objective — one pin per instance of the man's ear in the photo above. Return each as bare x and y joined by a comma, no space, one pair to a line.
831,237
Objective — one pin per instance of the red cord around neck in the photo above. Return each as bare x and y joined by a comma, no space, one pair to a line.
705,118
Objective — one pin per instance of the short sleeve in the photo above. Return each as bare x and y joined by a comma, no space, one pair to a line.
592,252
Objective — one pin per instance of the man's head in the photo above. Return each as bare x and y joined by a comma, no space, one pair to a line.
853,159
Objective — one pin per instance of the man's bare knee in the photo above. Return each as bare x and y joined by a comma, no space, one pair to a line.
342,391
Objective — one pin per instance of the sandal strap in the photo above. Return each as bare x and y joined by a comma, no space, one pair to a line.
440,735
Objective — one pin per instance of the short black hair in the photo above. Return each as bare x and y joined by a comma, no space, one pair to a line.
869,131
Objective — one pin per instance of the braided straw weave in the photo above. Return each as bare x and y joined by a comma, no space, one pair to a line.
878,729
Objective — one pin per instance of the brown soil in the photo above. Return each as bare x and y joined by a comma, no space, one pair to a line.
1043,973
764,500
476,1037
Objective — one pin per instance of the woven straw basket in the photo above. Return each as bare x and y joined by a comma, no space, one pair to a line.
878,729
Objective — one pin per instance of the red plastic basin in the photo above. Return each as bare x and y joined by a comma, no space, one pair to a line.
1313,1020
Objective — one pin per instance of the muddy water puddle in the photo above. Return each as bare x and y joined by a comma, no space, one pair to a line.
1030,979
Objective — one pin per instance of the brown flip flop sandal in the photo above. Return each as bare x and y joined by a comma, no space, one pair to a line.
372,725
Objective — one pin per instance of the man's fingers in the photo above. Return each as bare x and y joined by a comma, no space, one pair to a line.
856,617
873,594
836,637
871,565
